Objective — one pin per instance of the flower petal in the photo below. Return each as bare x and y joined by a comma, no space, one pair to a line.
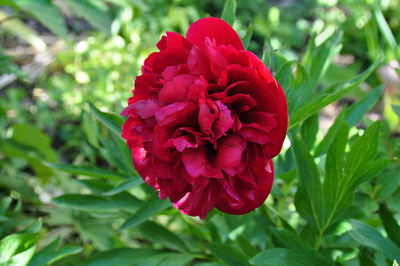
213,28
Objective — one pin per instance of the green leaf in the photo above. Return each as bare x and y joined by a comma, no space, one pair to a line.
229,12
396,109
49,255
228,254
124,186
364,149
327,98
91,11
97,203
33,228
148,209
158,234
112,121
128,257
17,249
309,130
280,256
384,27
46,13
368,236
390,224
322,58
326,142
88,171
247,37
357,110
309,197
291,241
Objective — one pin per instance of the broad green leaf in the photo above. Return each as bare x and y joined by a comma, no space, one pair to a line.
46,13
247,37
326,142
309,198
124,186
96,203
90,11
327,98
175,259
148,209
128,257
111,121
49,255
390,224
88,171
368,236
280,256
229,12
309,130
296,244
334,187
357,110
159,234
396,109
364,149
17,248
228,254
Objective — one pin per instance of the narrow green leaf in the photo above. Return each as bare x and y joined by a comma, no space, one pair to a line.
368,236
49,255
46,13
93,203
87,171
229,11
148,209
357,110
228,254
157,233
390,224
111,121
33,228
323,100
124,186
247,37
90,11
385,29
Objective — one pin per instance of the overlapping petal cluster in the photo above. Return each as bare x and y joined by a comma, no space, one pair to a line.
205,119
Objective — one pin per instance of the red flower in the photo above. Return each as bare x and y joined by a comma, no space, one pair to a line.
205,121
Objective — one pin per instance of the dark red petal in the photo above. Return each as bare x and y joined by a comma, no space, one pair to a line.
201,199
262,172
173,40
213,28
180,113
230,151
198,63
170,57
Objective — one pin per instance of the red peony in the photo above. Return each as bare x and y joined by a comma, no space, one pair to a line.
205,120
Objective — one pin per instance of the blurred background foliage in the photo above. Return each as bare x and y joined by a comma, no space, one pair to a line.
70,195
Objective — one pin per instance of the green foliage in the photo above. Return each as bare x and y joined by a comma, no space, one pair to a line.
71,196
